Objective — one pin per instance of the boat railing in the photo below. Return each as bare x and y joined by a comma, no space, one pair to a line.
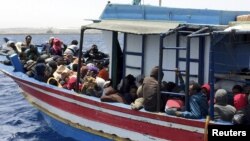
173,93
188,33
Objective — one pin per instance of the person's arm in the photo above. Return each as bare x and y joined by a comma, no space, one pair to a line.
195,112
86,54
179,75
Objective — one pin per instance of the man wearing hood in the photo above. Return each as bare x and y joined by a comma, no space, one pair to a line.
149,89
222,110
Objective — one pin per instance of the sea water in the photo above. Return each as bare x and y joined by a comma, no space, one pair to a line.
19,120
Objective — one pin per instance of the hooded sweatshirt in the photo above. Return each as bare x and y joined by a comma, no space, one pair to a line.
223,111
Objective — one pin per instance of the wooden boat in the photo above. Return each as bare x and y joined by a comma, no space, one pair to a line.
87,118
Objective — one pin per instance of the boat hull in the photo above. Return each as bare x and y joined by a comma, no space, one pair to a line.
86,118
69,131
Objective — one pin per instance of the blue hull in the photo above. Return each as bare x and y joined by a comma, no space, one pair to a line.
69,131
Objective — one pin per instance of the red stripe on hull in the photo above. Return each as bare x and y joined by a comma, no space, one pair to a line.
124,110
121,122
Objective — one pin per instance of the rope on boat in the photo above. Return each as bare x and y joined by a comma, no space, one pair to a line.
206,128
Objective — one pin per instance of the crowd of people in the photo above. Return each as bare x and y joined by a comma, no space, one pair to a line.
57,64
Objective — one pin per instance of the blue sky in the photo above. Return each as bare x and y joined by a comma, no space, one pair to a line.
71,13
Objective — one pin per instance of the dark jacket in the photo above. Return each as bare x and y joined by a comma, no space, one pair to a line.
149,90
198,107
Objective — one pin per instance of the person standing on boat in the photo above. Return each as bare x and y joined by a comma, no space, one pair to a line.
197,102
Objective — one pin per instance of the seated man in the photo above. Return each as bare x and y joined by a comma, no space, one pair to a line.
149,89
222,110
94,55
197,102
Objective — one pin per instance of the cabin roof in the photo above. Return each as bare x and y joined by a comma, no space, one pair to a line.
239,26
141,27
148,12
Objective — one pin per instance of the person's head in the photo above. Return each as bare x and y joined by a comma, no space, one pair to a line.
84,71
11,44
154,73
53,82
205,89
51,40
74,67
60,61
74,42
68,57
221,97
28,39
92,71
170,86
94,48
130,79
237,89
57,44
139,80
52,64
194,88
40,60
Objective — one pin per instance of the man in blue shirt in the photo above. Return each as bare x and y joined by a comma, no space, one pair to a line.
197,102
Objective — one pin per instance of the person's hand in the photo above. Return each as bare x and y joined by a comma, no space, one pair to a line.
177,71
171,111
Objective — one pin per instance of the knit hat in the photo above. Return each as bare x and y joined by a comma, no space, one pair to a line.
221,97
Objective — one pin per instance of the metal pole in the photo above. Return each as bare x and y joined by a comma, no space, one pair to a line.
159,72
211,77
124,56
187,74
201,60
143,51
79,60
177,55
